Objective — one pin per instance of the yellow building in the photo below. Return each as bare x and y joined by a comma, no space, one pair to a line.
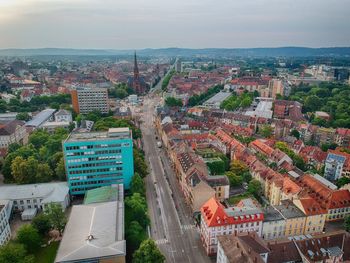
295,218
315,215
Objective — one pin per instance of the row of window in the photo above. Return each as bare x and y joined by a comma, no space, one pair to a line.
97,146
119,168
93,152
94,164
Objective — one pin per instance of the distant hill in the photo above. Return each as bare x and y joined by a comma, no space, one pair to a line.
186,52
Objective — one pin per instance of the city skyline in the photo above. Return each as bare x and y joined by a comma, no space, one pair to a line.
186,24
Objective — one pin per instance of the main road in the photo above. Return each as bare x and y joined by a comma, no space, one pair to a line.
172,226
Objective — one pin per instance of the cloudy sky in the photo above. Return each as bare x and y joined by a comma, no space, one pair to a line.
129,24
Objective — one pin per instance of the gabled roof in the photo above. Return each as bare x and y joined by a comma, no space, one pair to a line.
10,127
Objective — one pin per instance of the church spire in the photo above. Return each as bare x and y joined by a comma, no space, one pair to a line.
136,68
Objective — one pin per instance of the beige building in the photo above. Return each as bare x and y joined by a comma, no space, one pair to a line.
315,215
11,132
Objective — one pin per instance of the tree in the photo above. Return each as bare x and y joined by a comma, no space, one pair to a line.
28,236
342,181
234,179
239,168
148,253
14,253
254,188
43,173
295,133
138,205
140,164
173,102
60,170
56,216
347,223
38,138
23,116
312,103
137,185
266,131
216,167
24,171
42,223
134,235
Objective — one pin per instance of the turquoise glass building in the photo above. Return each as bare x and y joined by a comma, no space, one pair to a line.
95,159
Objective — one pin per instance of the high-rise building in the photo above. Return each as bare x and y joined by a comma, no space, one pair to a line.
98,159
85,100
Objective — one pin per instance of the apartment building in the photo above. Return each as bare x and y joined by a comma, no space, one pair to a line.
85,100
217,220
5,213
98,159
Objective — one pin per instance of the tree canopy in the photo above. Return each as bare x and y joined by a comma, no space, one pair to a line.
148,253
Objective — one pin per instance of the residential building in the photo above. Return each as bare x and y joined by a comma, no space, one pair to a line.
337,165
42,117
293,216
315,214
64,116
216,220
5,213
11,132
242,248
94,233
274,225
276,88
98,159
28,196
284,109
85,100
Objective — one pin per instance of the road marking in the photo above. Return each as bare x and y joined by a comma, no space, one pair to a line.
187,227
162,241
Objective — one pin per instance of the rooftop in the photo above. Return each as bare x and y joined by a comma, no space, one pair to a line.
104,194
41,117
218,98
50,192
93,231
288,210
112,133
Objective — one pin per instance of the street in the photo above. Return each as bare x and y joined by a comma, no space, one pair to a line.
172,226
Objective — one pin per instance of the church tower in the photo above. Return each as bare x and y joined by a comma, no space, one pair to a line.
136,84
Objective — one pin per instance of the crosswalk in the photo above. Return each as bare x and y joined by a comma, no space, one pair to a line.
162,241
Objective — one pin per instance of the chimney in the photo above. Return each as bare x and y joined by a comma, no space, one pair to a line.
249,250
255,259
235,233
237,245
242,254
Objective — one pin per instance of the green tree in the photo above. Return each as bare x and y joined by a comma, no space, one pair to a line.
14,253
312,103
266,131
42,223
137,203
216,167
56,216
23,116
254,188
24,171
43,173
234,179
347,223
38,138
28,236
134,235
60,170
295,133
140,164
342,181
173,102
148,253
137,185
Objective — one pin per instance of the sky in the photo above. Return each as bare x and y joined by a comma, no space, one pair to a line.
136,24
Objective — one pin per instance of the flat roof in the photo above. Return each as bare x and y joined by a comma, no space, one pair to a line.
271,214
289,210
112,133
50,192
104,194
218,97
93,231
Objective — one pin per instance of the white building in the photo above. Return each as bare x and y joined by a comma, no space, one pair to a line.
64,116
42,117
28,196
50,126
5,213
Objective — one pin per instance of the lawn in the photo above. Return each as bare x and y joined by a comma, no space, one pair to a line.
47,254
235,199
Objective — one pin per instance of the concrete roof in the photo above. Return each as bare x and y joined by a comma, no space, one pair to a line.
93,231
49,192
218,98
104,194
